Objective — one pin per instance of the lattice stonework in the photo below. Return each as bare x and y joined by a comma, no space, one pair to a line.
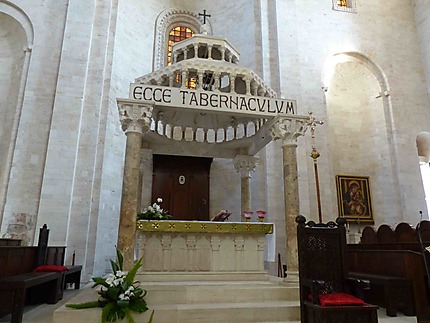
176,35
345,5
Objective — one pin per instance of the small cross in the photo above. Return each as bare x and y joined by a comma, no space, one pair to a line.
313,123
204,16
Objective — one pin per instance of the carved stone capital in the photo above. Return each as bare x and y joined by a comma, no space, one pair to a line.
288,129
135,117
245,165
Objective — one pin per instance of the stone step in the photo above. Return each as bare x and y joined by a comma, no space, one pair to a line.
274,311
219,293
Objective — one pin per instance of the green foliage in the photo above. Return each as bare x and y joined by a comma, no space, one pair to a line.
84,305
150,318
120,294
120,258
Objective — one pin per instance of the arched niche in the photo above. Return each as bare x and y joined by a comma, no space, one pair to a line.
16,38
423,146
359,127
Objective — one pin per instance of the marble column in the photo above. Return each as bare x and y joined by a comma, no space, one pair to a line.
245,166
288,129
135,121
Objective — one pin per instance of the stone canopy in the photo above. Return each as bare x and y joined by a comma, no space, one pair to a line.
206,104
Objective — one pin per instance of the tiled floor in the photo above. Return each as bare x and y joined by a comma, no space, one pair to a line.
43,313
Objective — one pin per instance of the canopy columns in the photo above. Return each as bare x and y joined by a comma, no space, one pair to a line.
289,129
135,121
245,165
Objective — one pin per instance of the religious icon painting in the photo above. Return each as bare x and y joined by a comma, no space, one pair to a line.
353,198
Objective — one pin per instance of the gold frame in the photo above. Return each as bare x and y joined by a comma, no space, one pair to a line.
353,198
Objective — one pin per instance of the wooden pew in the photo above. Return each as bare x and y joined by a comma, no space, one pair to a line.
20,285
393,262
9,242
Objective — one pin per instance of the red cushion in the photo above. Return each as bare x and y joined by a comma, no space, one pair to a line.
51,268
339,299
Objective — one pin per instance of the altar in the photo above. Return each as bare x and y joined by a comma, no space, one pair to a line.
203,246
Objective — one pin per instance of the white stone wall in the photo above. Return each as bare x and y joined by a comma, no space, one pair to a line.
46,20
13,40
387,36
422,19
68,161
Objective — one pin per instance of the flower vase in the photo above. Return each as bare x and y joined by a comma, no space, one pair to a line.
261,215
247,216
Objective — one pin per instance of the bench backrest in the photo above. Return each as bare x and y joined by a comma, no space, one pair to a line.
15,260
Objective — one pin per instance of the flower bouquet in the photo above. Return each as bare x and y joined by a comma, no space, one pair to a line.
119,294
154,212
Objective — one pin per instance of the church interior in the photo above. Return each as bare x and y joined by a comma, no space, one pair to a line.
192,134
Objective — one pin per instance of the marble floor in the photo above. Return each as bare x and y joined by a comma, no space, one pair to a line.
43,313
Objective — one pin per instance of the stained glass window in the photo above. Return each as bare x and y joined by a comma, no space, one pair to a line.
345,5
176,35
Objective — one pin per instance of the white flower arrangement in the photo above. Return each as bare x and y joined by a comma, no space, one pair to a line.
154,212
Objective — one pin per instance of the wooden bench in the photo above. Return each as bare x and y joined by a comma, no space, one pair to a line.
20,285
391,292
72,276
397,280
9,242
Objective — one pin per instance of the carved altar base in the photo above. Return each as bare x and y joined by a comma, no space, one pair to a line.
202,249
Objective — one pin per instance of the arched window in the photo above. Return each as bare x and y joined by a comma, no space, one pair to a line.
166,23
177,34
344,5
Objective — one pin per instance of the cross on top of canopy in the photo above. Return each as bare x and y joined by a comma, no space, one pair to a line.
204,98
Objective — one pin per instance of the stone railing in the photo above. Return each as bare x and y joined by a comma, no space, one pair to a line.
208,135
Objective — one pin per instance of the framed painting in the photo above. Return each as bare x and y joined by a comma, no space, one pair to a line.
353,198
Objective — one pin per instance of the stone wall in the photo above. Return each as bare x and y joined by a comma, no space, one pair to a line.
67,164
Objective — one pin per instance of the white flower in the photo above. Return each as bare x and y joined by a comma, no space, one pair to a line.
120,273
129,291
110,278
159,200
123,297
118,281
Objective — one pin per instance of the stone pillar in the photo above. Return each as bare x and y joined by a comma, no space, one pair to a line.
135,121
245,165
288,129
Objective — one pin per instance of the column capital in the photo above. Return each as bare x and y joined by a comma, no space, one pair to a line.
245,165
289,129
135,117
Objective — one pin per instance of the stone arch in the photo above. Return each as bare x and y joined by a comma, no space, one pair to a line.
20,16
16,39
423,146
164,23
359,114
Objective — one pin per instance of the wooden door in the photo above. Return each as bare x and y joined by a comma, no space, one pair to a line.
183,184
